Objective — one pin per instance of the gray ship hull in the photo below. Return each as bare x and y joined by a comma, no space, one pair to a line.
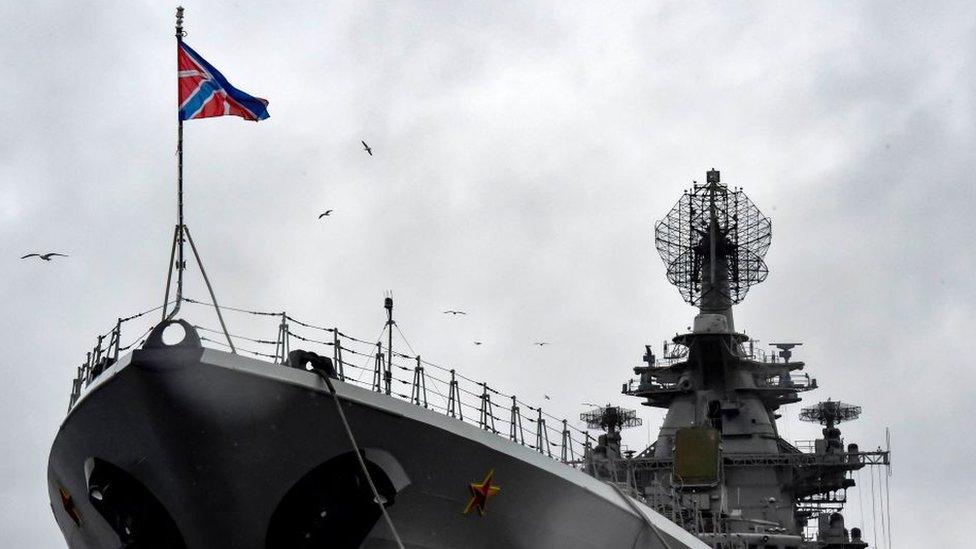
219,441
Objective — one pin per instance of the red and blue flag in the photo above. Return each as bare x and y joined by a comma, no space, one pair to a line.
204,92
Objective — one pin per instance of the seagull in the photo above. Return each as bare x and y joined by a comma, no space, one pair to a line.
477,343
45,257
366,147
541,343
325,213
547,397
453,312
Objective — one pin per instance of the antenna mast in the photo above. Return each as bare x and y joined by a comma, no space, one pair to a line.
388,374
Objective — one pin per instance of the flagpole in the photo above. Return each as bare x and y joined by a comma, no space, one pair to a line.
179,173
178,235
182,233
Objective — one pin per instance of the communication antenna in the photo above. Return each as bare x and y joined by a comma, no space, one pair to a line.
713,241
785,350
610,418
830,413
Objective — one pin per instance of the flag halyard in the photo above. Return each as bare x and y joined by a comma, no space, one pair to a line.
204,92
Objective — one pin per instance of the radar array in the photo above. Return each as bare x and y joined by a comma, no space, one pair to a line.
610,418
708,221
830,412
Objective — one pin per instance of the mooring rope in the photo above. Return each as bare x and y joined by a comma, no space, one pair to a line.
362,463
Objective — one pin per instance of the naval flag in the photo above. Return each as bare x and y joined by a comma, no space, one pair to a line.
204,92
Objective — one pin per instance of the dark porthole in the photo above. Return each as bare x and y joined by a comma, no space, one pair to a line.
331,506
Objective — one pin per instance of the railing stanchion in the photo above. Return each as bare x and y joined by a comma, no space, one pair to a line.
282,346
88,357
418,393
541,434
487,419
118,338
337,355
515,426
98,349
454,406
567,446
378,370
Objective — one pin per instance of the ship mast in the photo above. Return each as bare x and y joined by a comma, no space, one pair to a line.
719,465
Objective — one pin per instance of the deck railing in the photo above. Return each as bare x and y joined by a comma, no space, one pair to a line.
372,365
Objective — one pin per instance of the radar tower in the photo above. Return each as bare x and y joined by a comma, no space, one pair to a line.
719,466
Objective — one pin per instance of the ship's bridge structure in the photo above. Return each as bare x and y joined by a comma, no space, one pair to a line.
719,466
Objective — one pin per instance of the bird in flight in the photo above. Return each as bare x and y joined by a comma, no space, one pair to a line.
541,343
477,343
45,257
547,397
325,213
366,148
453,312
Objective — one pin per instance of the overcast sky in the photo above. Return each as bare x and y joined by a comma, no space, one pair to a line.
522,155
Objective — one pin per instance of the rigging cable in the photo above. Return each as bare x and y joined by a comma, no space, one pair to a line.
355,447
404,338
881,502
874,514
860,500
888,497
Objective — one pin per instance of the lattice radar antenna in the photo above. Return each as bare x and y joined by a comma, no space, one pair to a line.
610,418
830,412
742,234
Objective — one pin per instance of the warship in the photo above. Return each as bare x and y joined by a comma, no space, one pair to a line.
197,437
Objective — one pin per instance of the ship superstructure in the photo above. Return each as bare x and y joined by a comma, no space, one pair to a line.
719,466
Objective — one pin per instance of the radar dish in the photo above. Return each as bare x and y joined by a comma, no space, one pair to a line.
742,235
610,418
830,412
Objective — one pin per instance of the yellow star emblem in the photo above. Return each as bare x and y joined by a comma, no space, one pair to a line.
480,492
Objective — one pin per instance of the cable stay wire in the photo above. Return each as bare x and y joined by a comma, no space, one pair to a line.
874,513
235,309
882,505
860,500
223,344
888,497
404,338
139,340
144,313
310,340
236,336
312,326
